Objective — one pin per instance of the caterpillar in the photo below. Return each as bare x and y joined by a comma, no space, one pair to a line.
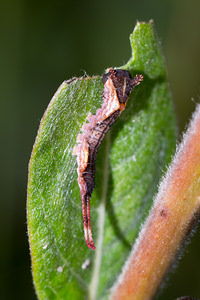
118,85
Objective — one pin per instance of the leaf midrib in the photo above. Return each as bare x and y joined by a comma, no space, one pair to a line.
93,287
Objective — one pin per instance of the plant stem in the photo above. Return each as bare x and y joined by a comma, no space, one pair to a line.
175,208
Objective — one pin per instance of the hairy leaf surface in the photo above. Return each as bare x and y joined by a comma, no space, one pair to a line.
129,165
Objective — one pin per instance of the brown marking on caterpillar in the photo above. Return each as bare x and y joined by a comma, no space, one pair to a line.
118,85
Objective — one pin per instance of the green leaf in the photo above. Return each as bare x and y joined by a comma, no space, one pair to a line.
129,164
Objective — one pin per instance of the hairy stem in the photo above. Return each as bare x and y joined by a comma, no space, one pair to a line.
175,208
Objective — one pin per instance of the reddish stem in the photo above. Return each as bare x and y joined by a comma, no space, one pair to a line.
175,208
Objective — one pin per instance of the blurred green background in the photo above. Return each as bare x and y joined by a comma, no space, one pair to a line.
42,44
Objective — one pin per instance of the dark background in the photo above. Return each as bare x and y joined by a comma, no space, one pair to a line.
42,43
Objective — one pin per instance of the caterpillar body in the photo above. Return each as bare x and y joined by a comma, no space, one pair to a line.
118,85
